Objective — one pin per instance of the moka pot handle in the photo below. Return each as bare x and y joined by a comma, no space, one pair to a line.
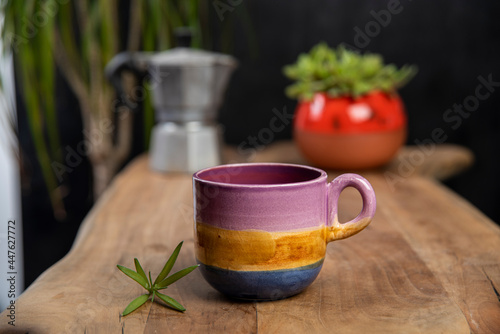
133,62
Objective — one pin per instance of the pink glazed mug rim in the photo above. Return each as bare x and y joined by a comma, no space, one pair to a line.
322,175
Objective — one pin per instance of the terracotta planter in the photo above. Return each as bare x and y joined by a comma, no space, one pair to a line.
348,133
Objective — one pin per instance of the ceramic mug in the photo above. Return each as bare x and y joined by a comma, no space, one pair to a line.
261,229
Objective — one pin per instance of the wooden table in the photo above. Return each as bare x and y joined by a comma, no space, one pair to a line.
428,263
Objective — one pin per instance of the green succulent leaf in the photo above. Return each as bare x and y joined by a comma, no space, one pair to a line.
175,277
171,302
153,296
135,276
139,269
341,72
170,263
135,304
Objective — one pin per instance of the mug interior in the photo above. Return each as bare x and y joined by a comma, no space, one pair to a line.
259,174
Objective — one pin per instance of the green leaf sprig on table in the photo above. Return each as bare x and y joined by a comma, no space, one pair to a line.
161,282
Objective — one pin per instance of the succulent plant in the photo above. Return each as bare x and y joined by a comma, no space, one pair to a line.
341,72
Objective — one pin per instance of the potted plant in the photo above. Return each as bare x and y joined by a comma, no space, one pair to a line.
349,114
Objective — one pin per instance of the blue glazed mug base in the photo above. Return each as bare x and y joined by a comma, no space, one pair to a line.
261,285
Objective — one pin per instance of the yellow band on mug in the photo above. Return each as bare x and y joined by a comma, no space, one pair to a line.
256,250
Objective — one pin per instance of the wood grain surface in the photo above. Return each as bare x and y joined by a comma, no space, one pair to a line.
435,161
428,263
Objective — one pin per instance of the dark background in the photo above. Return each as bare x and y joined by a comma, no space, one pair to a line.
452,42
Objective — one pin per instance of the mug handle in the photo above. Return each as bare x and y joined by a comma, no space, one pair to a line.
336,230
